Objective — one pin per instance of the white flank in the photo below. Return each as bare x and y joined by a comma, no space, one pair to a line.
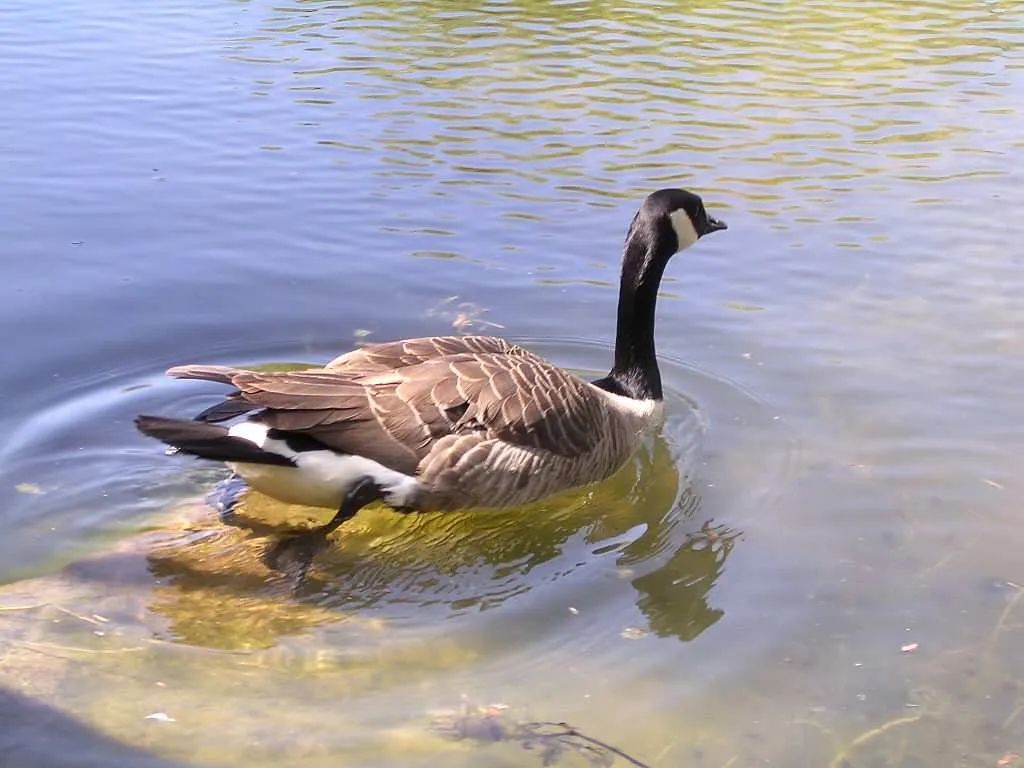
686,234
319,478
252,431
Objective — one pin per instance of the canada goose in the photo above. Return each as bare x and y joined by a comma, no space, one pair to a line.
448,422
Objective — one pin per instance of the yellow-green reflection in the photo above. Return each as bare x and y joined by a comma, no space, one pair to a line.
217,590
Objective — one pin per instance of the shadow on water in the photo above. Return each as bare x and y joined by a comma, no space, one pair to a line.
35,735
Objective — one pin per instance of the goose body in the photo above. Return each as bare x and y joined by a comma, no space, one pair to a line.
447,422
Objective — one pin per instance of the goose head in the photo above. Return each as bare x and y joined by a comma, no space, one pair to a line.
671,220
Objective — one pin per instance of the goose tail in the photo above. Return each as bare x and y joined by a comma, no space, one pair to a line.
207,441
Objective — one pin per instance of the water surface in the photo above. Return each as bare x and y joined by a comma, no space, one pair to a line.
816,563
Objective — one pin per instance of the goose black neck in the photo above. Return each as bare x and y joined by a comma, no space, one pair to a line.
636,371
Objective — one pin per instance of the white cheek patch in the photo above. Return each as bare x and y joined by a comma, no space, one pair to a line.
685,231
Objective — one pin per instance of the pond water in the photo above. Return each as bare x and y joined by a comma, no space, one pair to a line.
816,563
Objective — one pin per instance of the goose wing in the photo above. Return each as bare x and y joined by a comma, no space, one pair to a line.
374,358
393,355
397,417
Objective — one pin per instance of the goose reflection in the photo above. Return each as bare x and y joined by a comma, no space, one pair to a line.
675,597
215,589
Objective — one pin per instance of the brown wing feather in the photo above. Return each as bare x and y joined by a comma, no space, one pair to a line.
396,417
218,373
375,358
393,355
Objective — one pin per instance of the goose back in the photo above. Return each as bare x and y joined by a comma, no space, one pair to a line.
496,426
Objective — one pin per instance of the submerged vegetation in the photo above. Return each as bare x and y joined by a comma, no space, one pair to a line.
129,619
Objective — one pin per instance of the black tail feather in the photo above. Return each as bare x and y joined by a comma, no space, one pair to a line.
207,441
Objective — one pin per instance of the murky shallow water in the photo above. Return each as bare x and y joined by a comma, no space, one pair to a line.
817,562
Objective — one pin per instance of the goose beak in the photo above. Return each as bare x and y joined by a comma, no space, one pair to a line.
714,225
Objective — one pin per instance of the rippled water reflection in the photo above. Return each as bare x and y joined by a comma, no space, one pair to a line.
837,482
